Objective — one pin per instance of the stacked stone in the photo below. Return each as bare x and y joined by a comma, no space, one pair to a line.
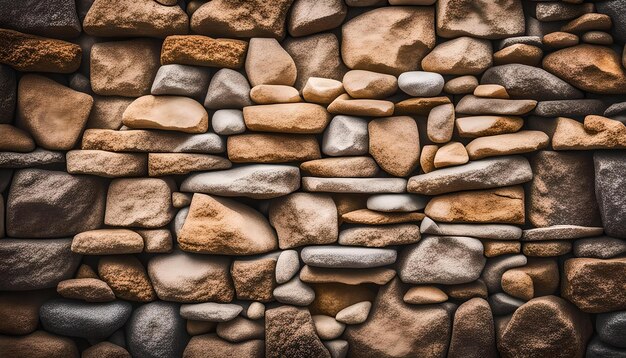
312,178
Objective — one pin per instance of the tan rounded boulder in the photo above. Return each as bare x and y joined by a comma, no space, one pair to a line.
368,84
267,63
394,144
483,18
462,56
173,113
225,227
286,118
388,39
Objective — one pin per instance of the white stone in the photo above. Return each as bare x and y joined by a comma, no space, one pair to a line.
354,314
327,327
396,202
228,121
287,266
345,135
347,257
255,311
210,311
421,83
294,292
481,231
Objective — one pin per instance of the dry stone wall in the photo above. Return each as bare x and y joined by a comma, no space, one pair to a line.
304,178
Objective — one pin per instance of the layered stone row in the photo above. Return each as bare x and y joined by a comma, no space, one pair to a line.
313,179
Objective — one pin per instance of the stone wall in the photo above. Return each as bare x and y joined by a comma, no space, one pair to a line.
312,178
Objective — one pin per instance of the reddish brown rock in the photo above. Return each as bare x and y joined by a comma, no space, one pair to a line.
473,333
595,285
199,50
31,53
330,298
394,144
127,278
20,310
254,279
39,344
86,289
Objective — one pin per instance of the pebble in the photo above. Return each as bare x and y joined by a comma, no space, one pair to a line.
258,181
255,311
47,118
560,232
84,320
602,247
87,289
461,85
106,164
361,107
342,167
124,68
481,231
461,56
483,20
210,311
272,148
609,180
424,295
347,257
316,56
377,276
451,154
294,292
396,202
287,266
240,330
354,314
174,113
506,144
107,242
272,94
181,80
199,50
388,39
156,330
228,122
151,141
481,106
30,53
368,84
328,328
421,83
394,144
345,135
480,174
127,278
444,260
491,91
185,277
322,90
287,118
440,125
141,202
291,331
308,17
228,89
354,185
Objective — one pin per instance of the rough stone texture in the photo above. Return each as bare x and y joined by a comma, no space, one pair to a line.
211,346
151,141
160,164
461,56
394,144
106,164
289,332
473,333
309,17
156,330
397,329
483,19
594,285
388,40
56,18
316,56
199,50
595,132
228,89
286,118
127,278
107,242
610,168
78,204
31,53
144,202
271,148
181,80
506,144
39,344
87,289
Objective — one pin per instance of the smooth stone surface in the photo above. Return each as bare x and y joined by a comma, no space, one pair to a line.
484,19
506,144
271,94
210,311
294,292
228,122
421,83
354,185
258,181
396,202
598,349
478,126
461,56
286,118
344,104
322,90
240,330
85,320
287,266
394,144
503,304
451,154
389,39
354,314
268,63
156,330
36,264
341,167
481,231
443,260
347,257
345,135
272,148
482,174
421,295
327,327
181,80
228,89
107,242
316,56
174,113
151,141
610,169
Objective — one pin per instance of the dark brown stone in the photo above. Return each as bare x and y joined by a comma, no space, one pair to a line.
595,285
39,344
473,333
289,332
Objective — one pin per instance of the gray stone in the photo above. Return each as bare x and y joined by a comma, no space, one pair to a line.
471,104
346,135
181,80
257,181
528,82
526,40
81,83
354,185
535,27
480,174
156,330
445,260
616,109
616,9
8,92
77,204
347,257
560,232
569,108
228,121
54,18
603,247
598,349
480,231
379,235
36,264
611,190
210,311
228,89
421,83
287,266
37,157
611,328
503,304
495,268
294,292
307,17
82,319
396,202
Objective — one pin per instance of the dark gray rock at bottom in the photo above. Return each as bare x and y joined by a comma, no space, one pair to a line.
82,319
611,328
51,18
615,109
610,167
616,9
598,349
502,304
47,204
602,247
569,108
181,80
8,94
529,82
35,264
156,330
35,158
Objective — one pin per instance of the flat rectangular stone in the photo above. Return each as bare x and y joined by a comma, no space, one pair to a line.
184,163
354,185
106,164
272,148
32,159
151,141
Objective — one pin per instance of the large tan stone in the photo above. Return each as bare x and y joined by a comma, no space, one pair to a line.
462,56
134,18
483,19
197,50
507,144
31,53
501,205
225,227
394,144
290,333
267,63
151,141
322,90
595,285
105,164
304,219
124,68
596,132
254,279
241,18
107,242
316,56
389,39
54,115
272,148
287,118
173,113
127,278
592,68
139,202
368,84
311,16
